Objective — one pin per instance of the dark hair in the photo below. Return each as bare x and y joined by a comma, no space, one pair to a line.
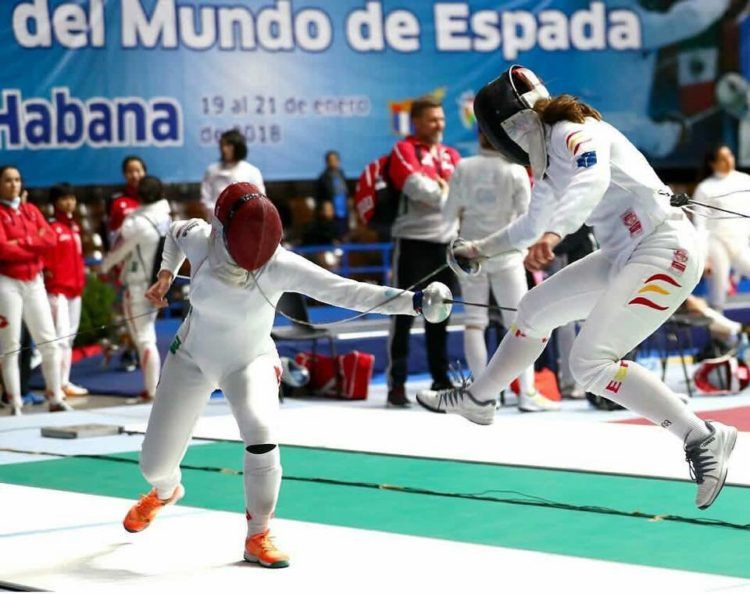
710,156
565,108
419,106
235,138
150,189
330,154
59,190
4,168
130,158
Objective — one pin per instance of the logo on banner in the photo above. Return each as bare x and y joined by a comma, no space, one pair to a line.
466,110
400,121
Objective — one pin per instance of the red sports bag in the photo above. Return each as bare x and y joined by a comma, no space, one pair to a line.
355,369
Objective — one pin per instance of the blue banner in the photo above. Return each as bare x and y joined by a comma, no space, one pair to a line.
86,82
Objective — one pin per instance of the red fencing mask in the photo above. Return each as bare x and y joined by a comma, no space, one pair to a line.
251,224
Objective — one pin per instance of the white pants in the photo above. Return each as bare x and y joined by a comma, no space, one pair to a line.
27,301
508,283
66,315
722,260
182,393
621,307
141,320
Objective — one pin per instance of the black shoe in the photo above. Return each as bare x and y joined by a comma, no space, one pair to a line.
128,361
442,385
397,397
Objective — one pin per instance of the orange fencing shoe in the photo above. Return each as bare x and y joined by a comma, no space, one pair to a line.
259,548
143,513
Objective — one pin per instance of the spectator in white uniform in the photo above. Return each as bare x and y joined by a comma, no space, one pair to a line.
487,193
727,237
231,168
137,248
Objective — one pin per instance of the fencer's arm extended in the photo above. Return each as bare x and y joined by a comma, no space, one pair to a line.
684,19
585,190
296,274
527,228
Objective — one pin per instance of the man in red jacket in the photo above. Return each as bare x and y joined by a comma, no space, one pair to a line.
64,278
420,167
24,238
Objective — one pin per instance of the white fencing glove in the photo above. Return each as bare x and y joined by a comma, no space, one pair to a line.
464,257
431,302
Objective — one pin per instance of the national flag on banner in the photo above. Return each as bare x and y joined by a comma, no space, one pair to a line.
400,122
697,70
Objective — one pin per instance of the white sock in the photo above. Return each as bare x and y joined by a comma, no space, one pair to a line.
516,353
475,350
527,381
640,391
262,484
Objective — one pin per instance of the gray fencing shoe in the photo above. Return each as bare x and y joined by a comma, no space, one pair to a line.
708,461
458,401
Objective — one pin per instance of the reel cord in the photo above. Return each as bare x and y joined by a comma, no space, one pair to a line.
490,496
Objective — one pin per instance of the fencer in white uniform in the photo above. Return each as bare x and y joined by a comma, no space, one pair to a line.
487,193
136,250
650,259
727,236
238,274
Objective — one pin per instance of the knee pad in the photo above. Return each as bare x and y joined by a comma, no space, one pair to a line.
262,448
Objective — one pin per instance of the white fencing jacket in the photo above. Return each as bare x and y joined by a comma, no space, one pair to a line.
487,193
594,176
138,242
732,232
230,320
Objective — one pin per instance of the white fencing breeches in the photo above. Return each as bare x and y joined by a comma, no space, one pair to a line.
66,315
621,308
182,393
27,301
722,261
508,283
141,319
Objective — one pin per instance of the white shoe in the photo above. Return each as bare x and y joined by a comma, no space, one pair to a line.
36,359
573,391
74,390
15,410
536,402
708,461
59,406
458,401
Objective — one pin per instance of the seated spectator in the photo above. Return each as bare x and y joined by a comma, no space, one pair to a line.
230,168
137,251
24,238
64,279
331,187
